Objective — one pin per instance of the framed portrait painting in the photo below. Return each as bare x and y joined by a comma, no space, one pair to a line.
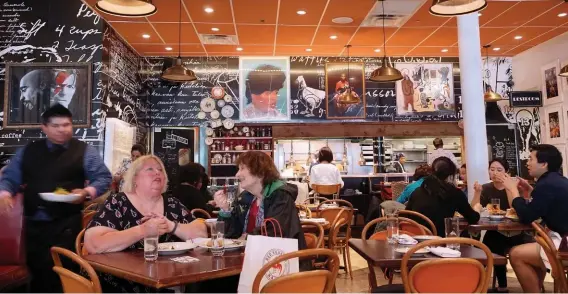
31,88
554,124
341,77
551,83
264,88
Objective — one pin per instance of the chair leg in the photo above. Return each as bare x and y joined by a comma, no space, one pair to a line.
349,262
342,250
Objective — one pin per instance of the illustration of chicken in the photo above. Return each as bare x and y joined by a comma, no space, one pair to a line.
309,97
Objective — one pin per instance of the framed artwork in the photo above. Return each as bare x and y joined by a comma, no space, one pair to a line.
31,88
554,124
425,89
551,84
340,77
564,81
562,149
264,88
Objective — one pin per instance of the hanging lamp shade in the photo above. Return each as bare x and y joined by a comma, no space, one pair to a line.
491,96
127,8
564,71
385,73
347,97
456,7
178,73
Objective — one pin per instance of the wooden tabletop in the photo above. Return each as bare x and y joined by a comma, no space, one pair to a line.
503,225
382,254
163,273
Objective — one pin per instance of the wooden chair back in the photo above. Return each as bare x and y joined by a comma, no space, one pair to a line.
91,207
335,241
397,188
87,217
314,234
417,229
305,209
556,266
541,231
72,282
80,244
327,190
338,202
200,213
431,276
432,227
315,281
334,214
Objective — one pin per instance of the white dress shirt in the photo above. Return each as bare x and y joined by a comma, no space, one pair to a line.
440,152
325,174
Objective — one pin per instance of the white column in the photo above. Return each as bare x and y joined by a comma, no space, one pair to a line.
475,133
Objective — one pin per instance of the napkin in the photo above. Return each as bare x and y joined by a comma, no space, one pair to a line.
315,220
445,252
184,259
405,239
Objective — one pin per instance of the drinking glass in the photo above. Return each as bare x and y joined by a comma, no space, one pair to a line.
150,241
452,225
217,238
496,203
392,228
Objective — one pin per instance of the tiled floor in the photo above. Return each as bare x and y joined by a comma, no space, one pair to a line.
360,281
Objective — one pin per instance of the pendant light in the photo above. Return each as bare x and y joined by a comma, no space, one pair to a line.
489,95
385,73
178,72
291,159
362,160
456,7
127,8
344,161
347,97
564,71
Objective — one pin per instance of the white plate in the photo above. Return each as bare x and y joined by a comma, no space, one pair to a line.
52,197
229,243
496,217
422,238
174,248
403,250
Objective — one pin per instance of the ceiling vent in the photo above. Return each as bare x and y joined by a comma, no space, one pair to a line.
208,39
396,13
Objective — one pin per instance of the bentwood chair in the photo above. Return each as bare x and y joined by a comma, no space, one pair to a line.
314,281
303,208
72,282
80,244
314,234
406,213
341,242
333,190
87,217
558,271
200,213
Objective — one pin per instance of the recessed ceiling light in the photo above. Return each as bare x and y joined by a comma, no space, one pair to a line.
496,49
301,12
377,50
342,20
146,36
333,37
308,49
518,37
444,50
563,14
169,48
215,29
239,49
209,10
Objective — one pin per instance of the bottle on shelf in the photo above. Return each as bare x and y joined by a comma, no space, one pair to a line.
234,159
269,134
263,132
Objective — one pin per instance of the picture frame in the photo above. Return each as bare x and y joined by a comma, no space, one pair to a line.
564,81
562,149
339,76
554,124
551,83
261,75
31,88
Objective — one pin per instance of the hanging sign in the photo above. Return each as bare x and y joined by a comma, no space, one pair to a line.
526,99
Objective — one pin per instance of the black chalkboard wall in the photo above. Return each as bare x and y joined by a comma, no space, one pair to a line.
50,31
501,139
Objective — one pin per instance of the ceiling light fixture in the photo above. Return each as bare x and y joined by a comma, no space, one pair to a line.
215,29
564,72
385,73
496,49
518,37
444,50
377,50
308,49
456,7
146,36
239,49
342,20
333,37
489,95
178,72
301,12
127,8
208,10
563,14
348,96
169,48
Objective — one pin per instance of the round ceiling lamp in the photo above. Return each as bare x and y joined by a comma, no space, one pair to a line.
456,7
178,72
564,72
489,95
127,8
385,73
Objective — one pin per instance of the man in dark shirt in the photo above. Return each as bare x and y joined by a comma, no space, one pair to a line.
549,202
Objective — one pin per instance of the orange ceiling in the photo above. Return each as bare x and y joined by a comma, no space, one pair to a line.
272,27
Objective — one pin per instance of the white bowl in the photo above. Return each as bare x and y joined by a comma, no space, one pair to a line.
52,197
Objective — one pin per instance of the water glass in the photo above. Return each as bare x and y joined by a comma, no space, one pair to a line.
496,203
150,241
217,238
452,225
392,228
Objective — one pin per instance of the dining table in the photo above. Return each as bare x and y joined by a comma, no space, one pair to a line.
506,226
164,272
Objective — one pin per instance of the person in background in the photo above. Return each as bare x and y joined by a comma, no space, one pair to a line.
399,163
136,151
438,198
189,192
439,152
549,202
60,161
463,178
421,171
325,172
124,219
497,242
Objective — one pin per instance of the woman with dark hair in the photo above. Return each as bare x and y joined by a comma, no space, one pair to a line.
189,190
262,86
325,172
438,198
420,173
497,242
137,150
463,178
265,196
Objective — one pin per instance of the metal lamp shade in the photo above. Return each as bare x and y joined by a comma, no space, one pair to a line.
456,7
491,96
127,8
564,72
385,74
178,73
347,97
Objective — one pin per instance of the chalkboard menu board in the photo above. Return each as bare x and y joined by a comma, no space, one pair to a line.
501,139
166,144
